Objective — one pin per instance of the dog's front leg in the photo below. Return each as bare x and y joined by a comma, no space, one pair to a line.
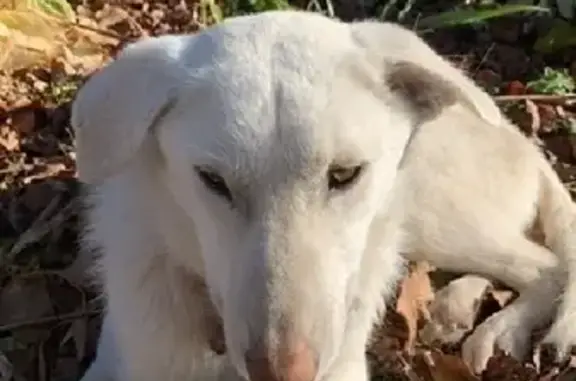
562,333
510,329
351,363
156,327
381,269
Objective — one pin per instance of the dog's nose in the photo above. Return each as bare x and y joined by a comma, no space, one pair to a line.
296,363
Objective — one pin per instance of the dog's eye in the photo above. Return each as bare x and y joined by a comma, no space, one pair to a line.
215,183
340,177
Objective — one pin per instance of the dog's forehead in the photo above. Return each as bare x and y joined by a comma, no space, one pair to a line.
269,84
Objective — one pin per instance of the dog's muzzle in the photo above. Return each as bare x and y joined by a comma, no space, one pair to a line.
294,363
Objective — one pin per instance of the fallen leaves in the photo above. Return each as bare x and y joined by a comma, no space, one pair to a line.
434,365
395,354
44,54
34,33
33,308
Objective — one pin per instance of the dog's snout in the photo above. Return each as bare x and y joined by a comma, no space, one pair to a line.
294,363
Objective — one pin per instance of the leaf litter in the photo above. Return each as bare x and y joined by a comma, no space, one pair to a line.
50,315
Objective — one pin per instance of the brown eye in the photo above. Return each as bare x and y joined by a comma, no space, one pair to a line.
215,183
340,178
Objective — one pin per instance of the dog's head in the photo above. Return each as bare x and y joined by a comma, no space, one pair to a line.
280,136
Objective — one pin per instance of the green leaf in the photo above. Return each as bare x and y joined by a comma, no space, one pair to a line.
474,16
561,35
214,9
566,8
553,81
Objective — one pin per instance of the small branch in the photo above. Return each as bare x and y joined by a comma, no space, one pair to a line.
102,32
536,97
48,320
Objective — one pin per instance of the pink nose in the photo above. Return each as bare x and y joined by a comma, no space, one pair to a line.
296,363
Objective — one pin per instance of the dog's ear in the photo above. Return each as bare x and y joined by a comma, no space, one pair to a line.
116,108
426,82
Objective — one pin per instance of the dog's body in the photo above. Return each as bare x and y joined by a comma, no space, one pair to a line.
265,159
476,192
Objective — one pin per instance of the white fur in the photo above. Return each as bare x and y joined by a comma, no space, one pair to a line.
476,192
453,311
269,102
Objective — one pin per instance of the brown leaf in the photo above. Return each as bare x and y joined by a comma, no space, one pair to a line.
78,333
438,366
548,117
24,299
9,139
111,15
503,367
488,79
78,272
37,195
415,294
515,88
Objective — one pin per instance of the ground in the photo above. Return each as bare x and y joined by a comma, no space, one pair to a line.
49,317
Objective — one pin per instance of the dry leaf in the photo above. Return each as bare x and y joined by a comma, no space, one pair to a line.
78,333
111,15
24,300
569,373
77,273
27,38
35,32
503,366
442,367
24,120
516,88
415,294
9,139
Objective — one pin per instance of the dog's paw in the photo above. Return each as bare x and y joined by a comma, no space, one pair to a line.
560,339
503,330
454,309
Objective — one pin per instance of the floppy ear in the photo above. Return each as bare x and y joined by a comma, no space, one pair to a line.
116,108
426,82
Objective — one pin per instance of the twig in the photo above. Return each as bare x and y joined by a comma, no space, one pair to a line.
102,32
536,97
48,320
484,58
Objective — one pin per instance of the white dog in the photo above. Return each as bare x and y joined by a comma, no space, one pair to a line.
270,158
